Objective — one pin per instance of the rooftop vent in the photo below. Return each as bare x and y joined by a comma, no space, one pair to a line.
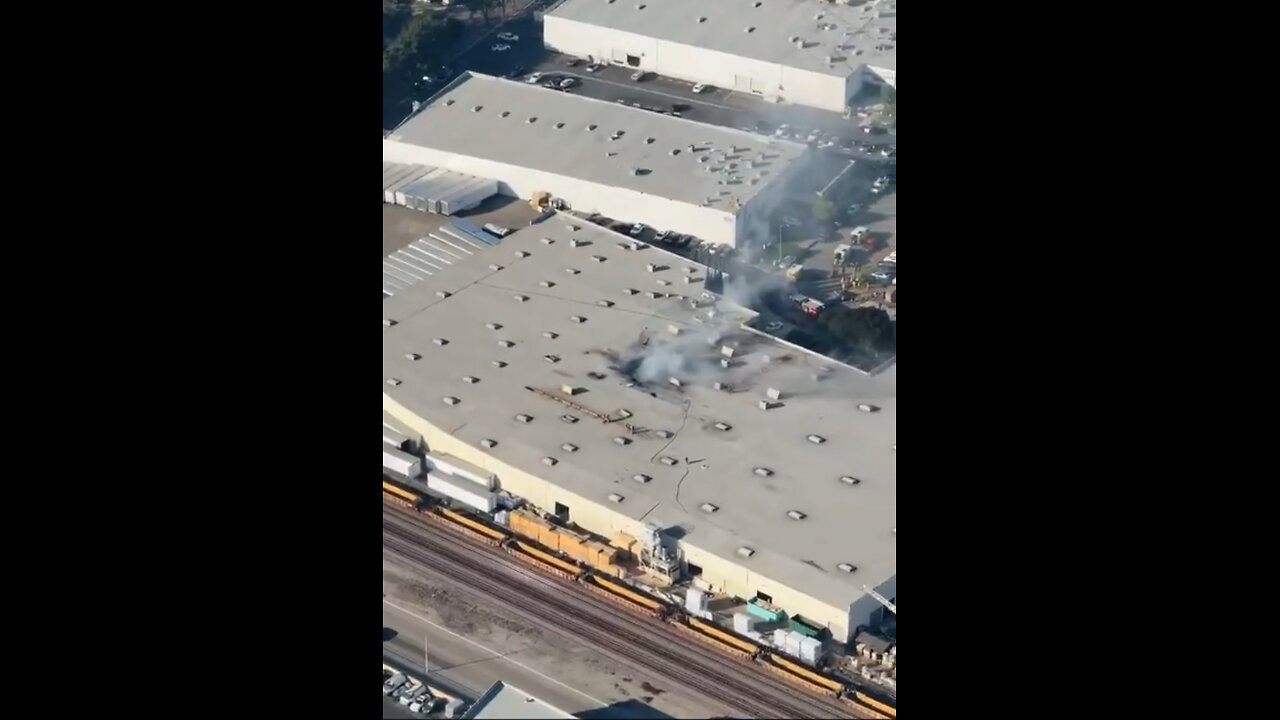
640,7
591,127
450,400
766,405
816,439
504,113
495,267
651,267
388,322
412,356
573,242
664,283
596,375
569,418
393,381
546,283
773,394
605,303
488,443
570,390
702,19
617,134
493,325
723,426
625,413
550,335
505,343
847,567
756,4
572,271
673,329
621,440
470,379
653,295
751,29
717,385
763,472
558,125
727,351
746,552
547,241
868,408
650,141
449,102
667,460
498,364
553,359
577,318
522,418
520,298
675,151
796,515
709,508
664,434
440,341
477,108
598,258
630,291
641,478
615,497
850,480
549,461
531,120
442,294
569,447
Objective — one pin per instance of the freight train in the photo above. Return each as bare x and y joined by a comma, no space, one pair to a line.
743,648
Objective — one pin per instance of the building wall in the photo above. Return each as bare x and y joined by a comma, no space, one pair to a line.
861,611
694,64
711,224
723,575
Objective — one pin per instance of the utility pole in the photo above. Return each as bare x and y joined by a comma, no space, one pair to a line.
426,657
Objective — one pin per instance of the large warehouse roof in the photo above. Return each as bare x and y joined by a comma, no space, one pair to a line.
508,702
764,30
532,127
710,461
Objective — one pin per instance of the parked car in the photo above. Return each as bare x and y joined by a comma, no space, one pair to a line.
573,62
639,75
500,47
393,684
699,88
885,273
509,37
594,67
636,229
853,210
774,326
566,83
663,237
533,78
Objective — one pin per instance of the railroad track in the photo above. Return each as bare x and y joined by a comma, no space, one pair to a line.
624,636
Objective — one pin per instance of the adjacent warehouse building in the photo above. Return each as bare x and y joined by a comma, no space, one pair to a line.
634,165
799,51
579,373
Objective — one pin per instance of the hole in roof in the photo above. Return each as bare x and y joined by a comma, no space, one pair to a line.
702,19
505,113
532,120
559,125
751,29
449,102
477,108
675,151
650,141
591,127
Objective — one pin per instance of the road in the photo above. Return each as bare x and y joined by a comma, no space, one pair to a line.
618,633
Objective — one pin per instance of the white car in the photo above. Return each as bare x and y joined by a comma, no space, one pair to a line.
637,229
567,83
699,88
534,78
500,48
594,67
774,326
639,75
509,37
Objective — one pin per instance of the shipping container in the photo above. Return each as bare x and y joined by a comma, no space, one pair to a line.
464,492
411,173
767,614
400,461
811,651
741,623
461,470
804,627
695,601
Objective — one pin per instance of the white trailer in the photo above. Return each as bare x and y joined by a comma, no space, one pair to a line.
462,491
400,461
461,471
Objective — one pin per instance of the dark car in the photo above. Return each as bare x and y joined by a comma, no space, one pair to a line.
517,72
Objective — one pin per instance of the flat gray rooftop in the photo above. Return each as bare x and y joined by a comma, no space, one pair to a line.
623,356
602,142
508,702
864,34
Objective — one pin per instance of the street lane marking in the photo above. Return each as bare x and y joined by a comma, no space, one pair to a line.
496,654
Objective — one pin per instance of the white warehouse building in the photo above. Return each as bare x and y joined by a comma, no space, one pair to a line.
716,183
805,52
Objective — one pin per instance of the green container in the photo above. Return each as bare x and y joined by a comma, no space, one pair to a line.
805,628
